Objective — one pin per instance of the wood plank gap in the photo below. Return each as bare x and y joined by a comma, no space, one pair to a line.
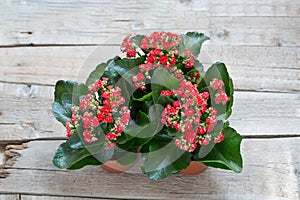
5,142
270,136
71,196
116,45
56,45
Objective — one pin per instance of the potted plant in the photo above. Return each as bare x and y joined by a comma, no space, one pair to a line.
158,102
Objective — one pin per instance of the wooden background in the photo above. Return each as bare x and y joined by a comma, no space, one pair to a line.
42,41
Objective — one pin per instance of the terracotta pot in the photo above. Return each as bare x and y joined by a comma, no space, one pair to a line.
194,168
113,166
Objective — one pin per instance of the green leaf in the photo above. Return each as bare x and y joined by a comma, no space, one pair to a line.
61,113
219,71
67,94
137,39
143,132
164,100
126,157
172,132
226,155
70,100
65,156
69,87
73,153
193,42
161,80
110,72
199,67
164,159
96,74
127,68
146,97
89,160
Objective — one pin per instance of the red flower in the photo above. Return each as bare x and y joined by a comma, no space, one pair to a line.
110,136
173,61
87,136
188,127
201,130
69,131
140,76
156,51
151,59
105,95
98,84
131,53
119,129
190,136
220,138
106,109
177,126
100,117
189,112
108,119
163,60
207,120
144,44
125,118
205,95
95,122
166,45
176,103
166,93
109,146
188,65
204,141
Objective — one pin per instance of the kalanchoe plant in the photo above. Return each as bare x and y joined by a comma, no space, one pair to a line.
158,102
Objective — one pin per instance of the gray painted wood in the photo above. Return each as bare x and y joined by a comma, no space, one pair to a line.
252,68
29,115
258,40
94,22
271,170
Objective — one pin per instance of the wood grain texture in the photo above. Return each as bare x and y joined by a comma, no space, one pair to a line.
94,22
44,41
252,68
271,171
29,115
9,197
43,197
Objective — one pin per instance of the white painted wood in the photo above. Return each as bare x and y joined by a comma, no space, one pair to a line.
252,68
29,115
94,22
271,171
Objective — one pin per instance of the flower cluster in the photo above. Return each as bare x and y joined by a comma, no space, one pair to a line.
220,96
103,104
191,116
128,46
161,50
161,40
194,77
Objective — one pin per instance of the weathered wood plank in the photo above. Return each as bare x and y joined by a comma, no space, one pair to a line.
93,22
31,197
252,68
9,197
29,115
271,171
